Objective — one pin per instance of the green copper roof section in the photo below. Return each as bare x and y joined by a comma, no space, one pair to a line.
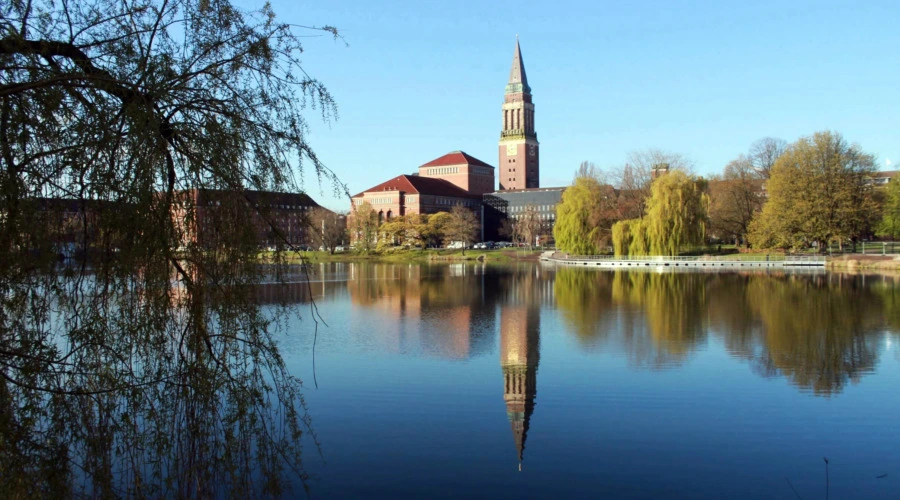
518,82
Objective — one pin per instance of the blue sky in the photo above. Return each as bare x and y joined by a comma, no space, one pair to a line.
417,79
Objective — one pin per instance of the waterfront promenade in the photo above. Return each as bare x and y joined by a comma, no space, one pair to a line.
698,262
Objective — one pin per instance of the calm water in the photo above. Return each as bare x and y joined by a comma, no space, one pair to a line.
531,382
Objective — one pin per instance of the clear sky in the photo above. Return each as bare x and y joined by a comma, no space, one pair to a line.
418,79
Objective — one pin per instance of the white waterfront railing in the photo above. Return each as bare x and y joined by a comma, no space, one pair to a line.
697,258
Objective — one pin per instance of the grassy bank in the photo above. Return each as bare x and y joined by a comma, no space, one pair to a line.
859,262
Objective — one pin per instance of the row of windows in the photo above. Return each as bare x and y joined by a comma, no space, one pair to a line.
539,208
443,170
539,216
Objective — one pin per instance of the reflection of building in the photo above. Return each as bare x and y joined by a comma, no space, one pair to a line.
519,356
438,312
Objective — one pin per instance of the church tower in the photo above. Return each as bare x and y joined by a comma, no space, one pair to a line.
519,165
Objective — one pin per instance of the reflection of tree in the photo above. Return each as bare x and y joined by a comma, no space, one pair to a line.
658,318
583,298
674,306
816,333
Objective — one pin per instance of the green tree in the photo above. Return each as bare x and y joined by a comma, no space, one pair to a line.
584,217
365,227
818,193
676,214
148,359
889,225
463,226
438,227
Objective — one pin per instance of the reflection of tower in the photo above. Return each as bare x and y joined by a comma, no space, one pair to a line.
519,339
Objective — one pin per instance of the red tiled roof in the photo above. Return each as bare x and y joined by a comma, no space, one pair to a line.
413,184
456,158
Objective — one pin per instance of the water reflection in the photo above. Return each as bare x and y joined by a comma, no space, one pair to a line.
444,311
520,318
819,331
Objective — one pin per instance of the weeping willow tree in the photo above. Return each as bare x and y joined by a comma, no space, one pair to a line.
629,238
144,367
676,214
676,219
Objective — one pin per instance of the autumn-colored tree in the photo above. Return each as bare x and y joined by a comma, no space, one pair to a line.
463,226
734,198
818,193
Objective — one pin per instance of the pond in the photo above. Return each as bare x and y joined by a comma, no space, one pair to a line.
533,382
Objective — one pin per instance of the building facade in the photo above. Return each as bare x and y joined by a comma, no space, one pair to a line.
277,219
462,170
413,194
512,204
519,162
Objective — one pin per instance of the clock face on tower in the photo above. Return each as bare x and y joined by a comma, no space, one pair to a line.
511,149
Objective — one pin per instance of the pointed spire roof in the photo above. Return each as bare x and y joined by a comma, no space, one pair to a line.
518,82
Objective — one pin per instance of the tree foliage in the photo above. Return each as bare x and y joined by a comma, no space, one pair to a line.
818,193
676,214
463,226
889,225
149,356
328,229
584,217
735,198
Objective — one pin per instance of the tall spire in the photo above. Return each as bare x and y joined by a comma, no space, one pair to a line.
518,82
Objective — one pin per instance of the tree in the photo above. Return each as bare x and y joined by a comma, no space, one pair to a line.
365,227
764,153
463,226
676,214
156,358
818,193
327,228
734,199
676,219
889,225
527,225
438,227
584,217
636,176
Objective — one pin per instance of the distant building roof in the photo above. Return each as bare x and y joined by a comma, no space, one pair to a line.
414,184
886,174
265,198
456,158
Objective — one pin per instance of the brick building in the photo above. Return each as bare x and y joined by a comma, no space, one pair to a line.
414,194
276,218
464,171
519,163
